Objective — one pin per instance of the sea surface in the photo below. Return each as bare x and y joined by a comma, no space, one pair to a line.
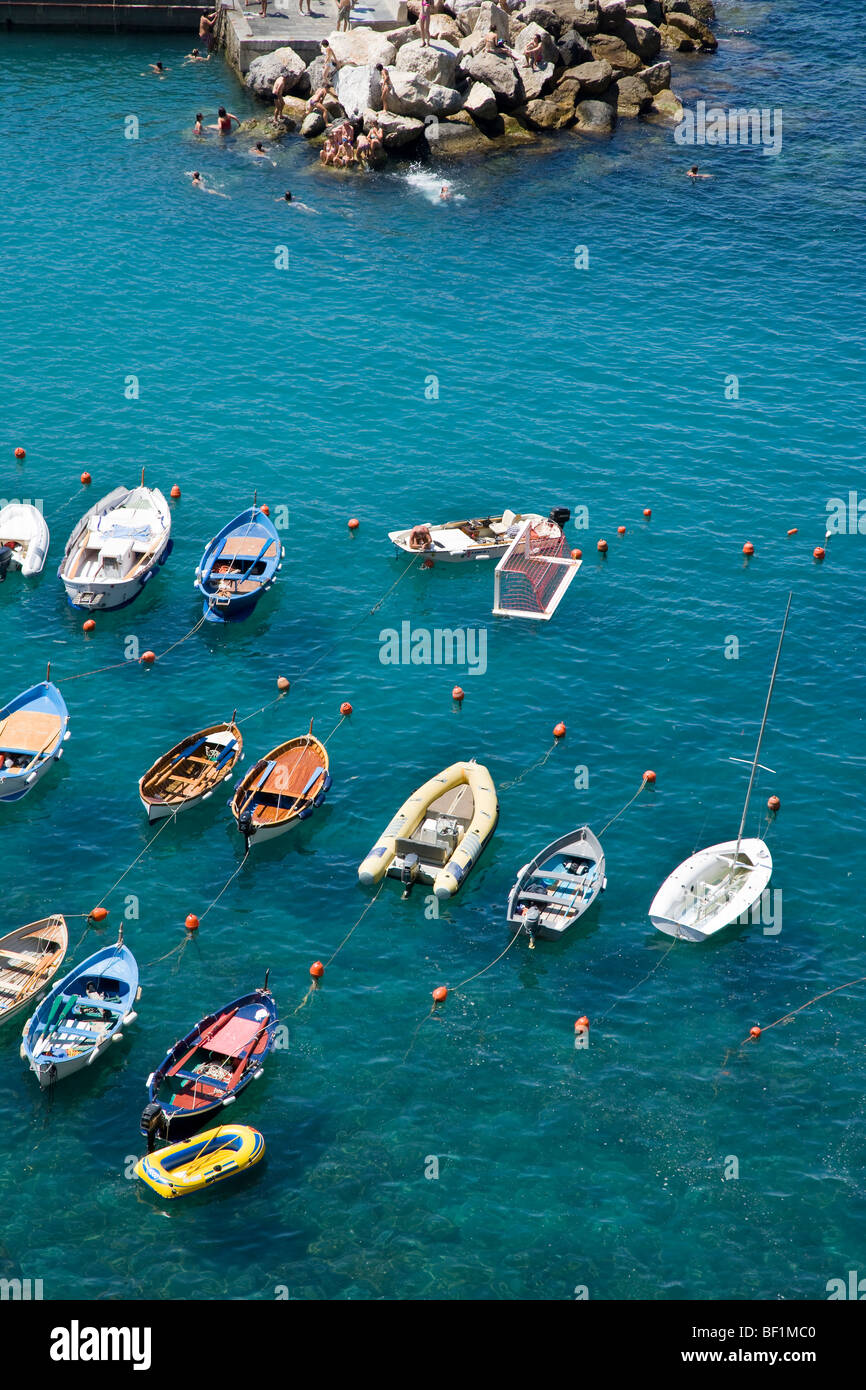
427,360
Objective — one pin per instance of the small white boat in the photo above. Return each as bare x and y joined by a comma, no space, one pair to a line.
718,886
484,538
558,886
116,548
24,531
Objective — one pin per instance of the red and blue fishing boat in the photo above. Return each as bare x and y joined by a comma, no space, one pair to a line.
209,1068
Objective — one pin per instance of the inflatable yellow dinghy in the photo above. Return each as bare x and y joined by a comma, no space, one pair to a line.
439,833
201,1161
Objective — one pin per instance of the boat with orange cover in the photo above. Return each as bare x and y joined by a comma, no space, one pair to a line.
283,788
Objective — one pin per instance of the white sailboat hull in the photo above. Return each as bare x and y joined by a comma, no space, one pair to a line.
707,893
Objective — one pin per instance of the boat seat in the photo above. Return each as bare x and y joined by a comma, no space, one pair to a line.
428,853
248,547
199,1080
548,901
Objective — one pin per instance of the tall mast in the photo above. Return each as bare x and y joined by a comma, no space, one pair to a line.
763,726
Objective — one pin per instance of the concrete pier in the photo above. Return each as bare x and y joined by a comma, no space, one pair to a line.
245,34
115,19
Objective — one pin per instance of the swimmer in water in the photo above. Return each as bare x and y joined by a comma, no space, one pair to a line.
224,121
198,128
198,182
693,173
444,192
194,57
259,152
293,202
157,68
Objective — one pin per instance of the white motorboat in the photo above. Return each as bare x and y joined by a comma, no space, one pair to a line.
116,548
481,538
23,530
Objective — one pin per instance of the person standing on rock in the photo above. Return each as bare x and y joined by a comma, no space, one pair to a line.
279,92
424,22
385,83
330,64
301,7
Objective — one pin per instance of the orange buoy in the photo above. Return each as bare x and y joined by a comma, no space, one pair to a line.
581,1024
602,546
88,625
98,914
577,554
345,709
283,683
175,491
85,479
754,1033
773,803
457,694
427,565
620,530
819,552
559,730
649,776
440,994
354,523
748,548
20,453
647,511
265,509
148,658
191,923
317,970
793,531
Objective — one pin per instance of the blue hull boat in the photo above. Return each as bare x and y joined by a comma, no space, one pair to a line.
82,1016
33,729
208,1068
238,566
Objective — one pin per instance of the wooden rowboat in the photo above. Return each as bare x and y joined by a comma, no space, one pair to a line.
190,771
29,959
283,789
558,886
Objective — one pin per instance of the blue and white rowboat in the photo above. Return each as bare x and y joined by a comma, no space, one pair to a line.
33,729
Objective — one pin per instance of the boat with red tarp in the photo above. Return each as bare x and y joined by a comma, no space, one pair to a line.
208,1068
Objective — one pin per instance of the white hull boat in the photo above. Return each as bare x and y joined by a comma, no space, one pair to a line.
712,889
116,548
24,530
482,538
718,886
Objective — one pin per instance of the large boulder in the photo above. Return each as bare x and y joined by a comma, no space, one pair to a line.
613,50
551,22
264,72
457,138
549,51
499,74
435,62
465,16
362,48
595,117
480,102
641,37
358,89
397,131
587,79
586,17
702,9
666,106
547,113
313,124
695,28
535,81
412,95
492,17
406,34
651,10
632,97
657,77
675,40
611,14
573,49
442,26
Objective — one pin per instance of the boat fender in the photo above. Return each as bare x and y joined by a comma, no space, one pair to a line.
22,1052
149,1082
59,754
229,1100
130,1017
257,1074
117,1037
66,736
307,811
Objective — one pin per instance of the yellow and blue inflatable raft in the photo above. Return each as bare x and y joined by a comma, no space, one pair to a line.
201,1161
439,833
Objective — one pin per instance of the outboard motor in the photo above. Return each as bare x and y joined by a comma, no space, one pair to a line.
5,558
409,873
247,829
153,1124
559,516
530,922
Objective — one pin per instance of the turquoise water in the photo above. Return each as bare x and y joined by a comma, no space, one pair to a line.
602,388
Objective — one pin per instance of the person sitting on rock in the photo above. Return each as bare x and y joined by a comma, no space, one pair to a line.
318,99
362,147
494,44
376,138
385,83
533,52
